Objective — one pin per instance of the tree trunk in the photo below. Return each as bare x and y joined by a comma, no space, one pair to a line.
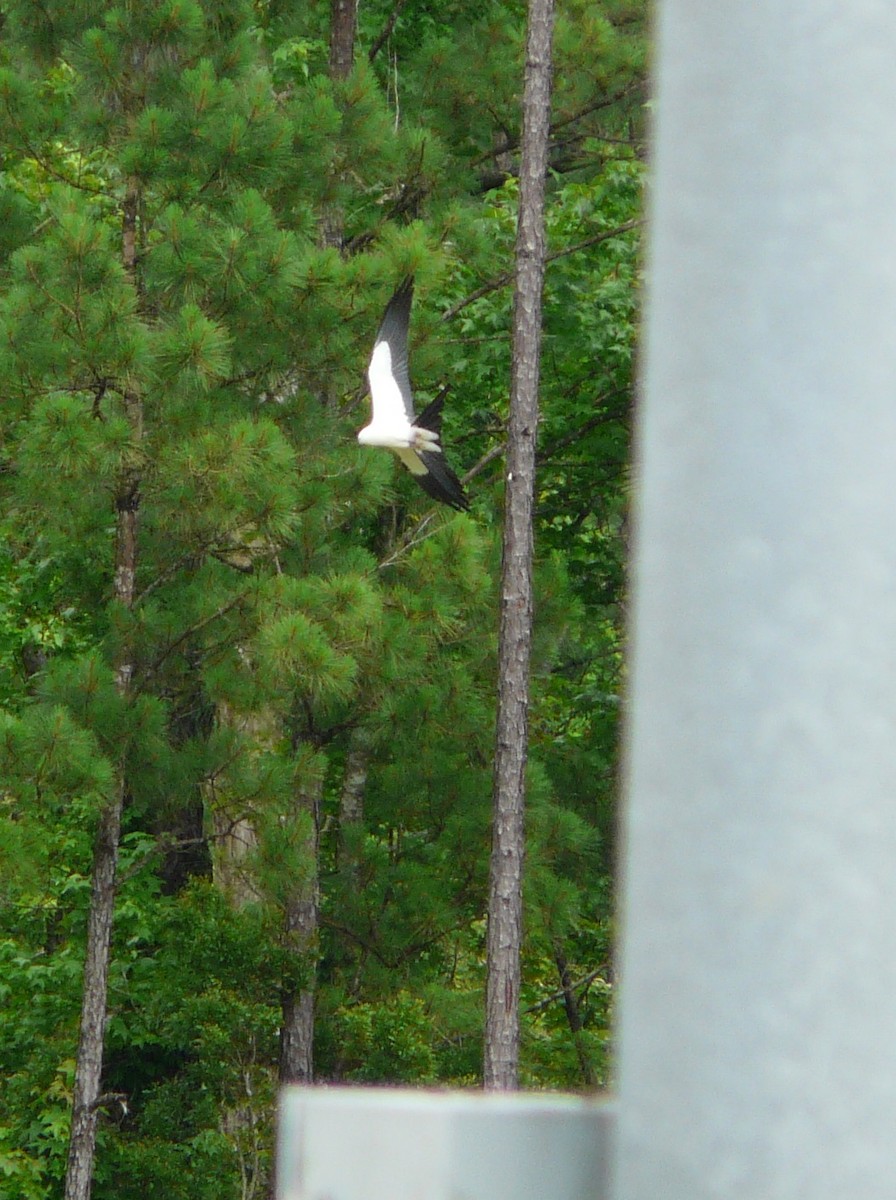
296,1063
297,1024
301,920
235,840
343,17
89,1065
574,1017
505,917
354,782
235,833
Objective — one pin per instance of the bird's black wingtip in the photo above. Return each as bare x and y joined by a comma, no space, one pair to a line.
394,325
441,483
431,417
405,288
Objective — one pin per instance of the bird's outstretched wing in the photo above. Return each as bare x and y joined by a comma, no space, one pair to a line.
390,387
438,480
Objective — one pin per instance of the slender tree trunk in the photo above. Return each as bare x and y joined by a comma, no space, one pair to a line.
297,1014
505,916
297,1028
354,781
301,921
89,1067
343,17
574,1017
89,1064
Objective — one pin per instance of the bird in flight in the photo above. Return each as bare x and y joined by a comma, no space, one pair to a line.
393,424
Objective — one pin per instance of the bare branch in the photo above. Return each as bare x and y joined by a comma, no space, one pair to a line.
595,240
578,985
488,457
195,628
506,277
417,535
386,32
108,1098
512,143
546,453
409,541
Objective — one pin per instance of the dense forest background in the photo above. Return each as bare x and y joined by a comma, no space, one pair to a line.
204,208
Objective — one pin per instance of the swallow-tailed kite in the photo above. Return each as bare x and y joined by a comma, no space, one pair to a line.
415,440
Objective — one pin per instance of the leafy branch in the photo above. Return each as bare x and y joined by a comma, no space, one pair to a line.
506,277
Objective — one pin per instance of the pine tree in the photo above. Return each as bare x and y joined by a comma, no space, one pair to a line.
121,321
506,897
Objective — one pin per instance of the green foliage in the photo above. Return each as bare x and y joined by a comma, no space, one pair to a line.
301,619
390,1042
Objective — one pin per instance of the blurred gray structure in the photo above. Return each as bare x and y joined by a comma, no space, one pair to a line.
400,1144
758,966
758,1014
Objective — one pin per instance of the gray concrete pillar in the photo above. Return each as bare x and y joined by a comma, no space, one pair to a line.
758,996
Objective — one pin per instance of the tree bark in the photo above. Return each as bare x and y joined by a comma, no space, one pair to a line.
505,916
87,1096
89,1065
574,1017
301,920
354,781
235,832
343,17
300,927
235,840
386,32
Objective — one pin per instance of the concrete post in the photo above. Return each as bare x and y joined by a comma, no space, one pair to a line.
758,1012
409,1144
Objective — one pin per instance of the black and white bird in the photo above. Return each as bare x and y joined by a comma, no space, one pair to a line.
393,424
